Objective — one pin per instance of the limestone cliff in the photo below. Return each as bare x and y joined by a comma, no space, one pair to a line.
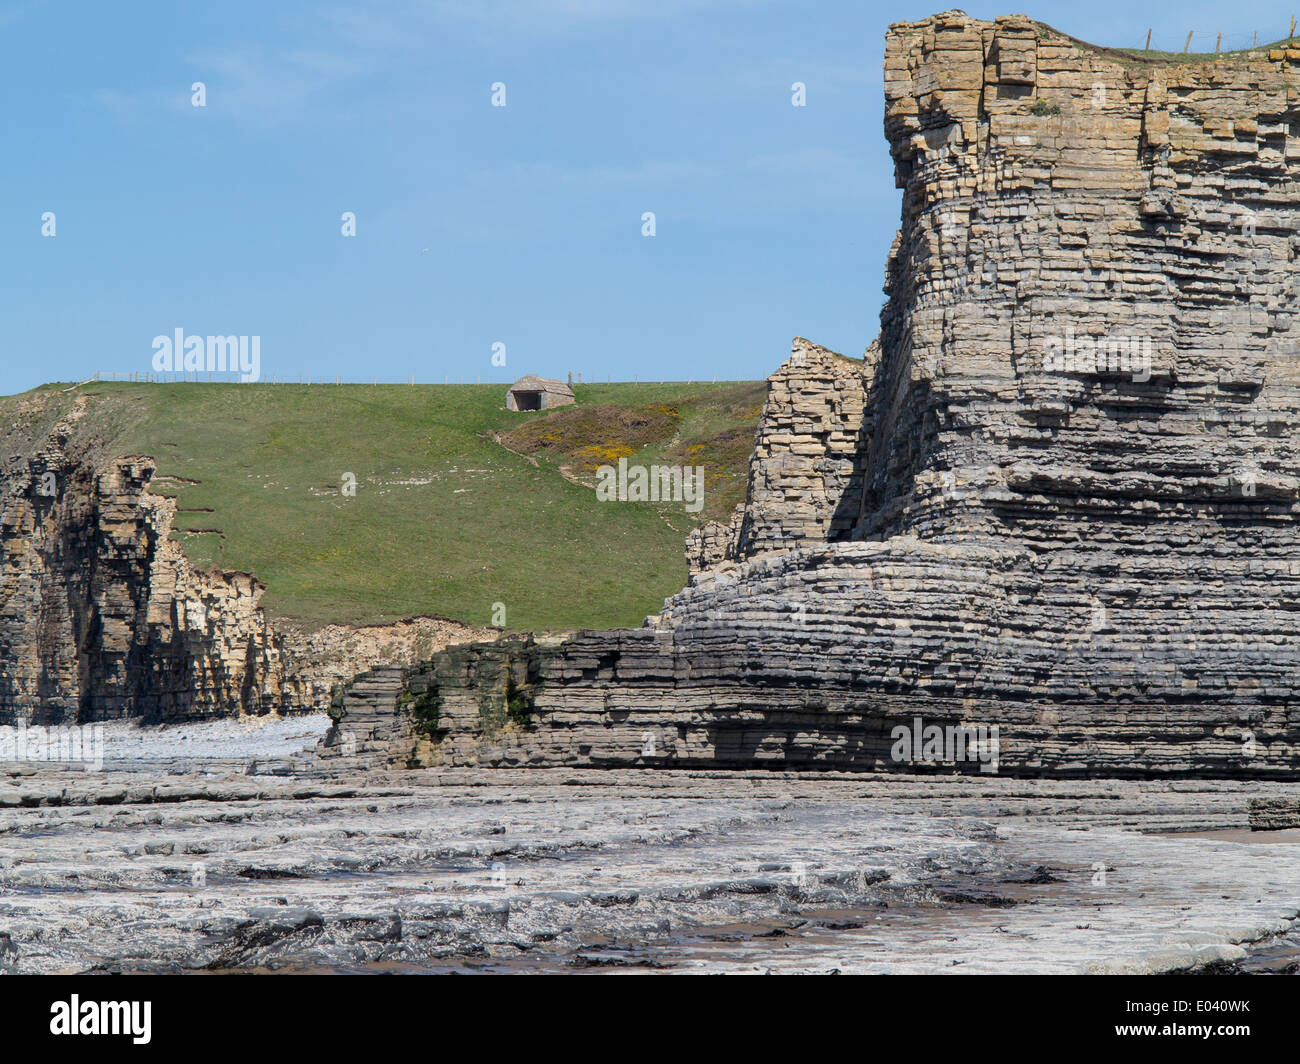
102,615
1058,497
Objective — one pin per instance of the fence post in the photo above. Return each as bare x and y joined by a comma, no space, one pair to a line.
1189,41
1148,47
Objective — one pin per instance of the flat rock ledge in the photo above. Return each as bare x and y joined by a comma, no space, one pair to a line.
655,870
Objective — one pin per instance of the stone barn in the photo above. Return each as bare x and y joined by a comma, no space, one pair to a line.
538,393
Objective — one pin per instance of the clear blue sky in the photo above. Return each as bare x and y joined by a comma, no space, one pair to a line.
474,224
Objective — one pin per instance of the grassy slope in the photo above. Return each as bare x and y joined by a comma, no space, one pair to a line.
474,525
1255,52
712,430
1149,55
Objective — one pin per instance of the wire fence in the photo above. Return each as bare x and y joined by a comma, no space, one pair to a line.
1192,41
573,378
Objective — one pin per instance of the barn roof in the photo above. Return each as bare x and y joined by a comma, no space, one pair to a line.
541,384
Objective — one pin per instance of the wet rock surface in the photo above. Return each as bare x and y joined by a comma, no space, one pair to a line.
654,870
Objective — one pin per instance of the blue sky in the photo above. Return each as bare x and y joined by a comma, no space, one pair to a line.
475,224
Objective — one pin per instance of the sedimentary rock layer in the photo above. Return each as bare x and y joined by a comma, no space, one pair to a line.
1057,496
101,615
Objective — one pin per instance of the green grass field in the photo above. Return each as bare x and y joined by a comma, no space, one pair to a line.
445,520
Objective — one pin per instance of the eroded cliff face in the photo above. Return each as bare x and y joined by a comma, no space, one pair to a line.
1058,497
1060,200
102,616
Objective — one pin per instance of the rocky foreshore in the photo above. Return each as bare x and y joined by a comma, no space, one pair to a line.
207,865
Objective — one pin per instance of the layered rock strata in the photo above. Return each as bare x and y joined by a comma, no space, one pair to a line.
1057,498
1274,813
